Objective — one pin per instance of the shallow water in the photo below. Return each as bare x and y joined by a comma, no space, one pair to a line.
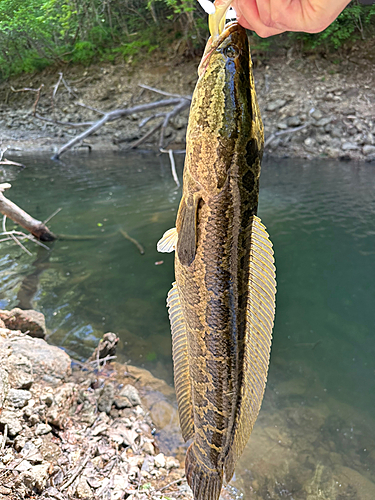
315,430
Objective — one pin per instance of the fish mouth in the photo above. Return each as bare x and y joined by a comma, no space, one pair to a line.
214,43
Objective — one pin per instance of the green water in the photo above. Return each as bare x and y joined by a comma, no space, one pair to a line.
315,434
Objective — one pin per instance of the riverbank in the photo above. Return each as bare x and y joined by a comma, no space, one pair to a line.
312,107
79,431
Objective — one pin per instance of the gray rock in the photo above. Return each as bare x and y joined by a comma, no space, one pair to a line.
10,418
349,146
48,362
293,121
29,321
20,371
282,125
368,150
18,397
42,429
33,480
370,139
336,132
324,121
31,453
309,141
106,398
130,392
274,105
83,489
317,114
122,402
332,152
159,460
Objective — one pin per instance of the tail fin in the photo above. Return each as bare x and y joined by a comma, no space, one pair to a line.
205,483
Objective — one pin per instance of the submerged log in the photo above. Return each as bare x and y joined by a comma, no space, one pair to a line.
19,216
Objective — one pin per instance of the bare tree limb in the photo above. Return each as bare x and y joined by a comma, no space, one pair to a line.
173,165
115,115
146,136
26,89
177,109
19,216
284,132
133,240
162,92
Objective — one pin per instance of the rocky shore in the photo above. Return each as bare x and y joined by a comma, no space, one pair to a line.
78,431
312,107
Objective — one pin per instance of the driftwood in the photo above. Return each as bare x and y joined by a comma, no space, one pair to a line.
273,136
178,103
5,161
19,216
175,101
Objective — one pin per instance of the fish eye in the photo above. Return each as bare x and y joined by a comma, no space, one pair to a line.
230,51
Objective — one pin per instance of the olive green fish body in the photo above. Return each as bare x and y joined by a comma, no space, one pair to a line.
220,362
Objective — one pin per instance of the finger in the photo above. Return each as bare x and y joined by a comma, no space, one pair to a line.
248,16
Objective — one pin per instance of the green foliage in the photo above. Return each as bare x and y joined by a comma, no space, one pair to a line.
353,23
35,33
83,52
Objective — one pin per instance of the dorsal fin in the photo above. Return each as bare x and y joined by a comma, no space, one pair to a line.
260,317
181,363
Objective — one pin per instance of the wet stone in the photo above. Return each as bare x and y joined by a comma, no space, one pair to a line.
32,322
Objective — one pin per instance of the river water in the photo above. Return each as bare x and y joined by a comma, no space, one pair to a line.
314,438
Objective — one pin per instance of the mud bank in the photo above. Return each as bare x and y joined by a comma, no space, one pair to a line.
311,106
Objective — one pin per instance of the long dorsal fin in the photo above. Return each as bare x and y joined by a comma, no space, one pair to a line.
260,317
181,363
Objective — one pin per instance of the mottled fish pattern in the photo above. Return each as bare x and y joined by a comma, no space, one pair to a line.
222,304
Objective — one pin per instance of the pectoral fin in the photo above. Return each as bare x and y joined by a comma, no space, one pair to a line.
259,323
168,242
181,363
187,239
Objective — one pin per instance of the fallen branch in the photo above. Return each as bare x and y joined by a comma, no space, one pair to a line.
5,161
134,241
179,103
26,89
19,216
173,165
284,132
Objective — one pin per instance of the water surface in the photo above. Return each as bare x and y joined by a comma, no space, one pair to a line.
314,437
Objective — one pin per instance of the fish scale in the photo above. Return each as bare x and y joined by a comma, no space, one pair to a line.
222,305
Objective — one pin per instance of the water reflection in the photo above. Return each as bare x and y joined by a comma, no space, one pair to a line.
314,437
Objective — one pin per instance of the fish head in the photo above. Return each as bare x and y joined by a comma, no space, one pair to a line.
221,111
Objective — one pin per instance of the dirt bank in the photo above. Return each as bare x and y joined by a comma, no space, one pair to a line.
311,106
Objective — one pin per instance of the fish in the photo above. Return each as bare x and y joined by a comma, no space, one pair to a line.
222,303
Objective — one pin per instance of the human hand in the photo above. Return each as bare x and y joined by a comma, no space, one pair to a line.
271,17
